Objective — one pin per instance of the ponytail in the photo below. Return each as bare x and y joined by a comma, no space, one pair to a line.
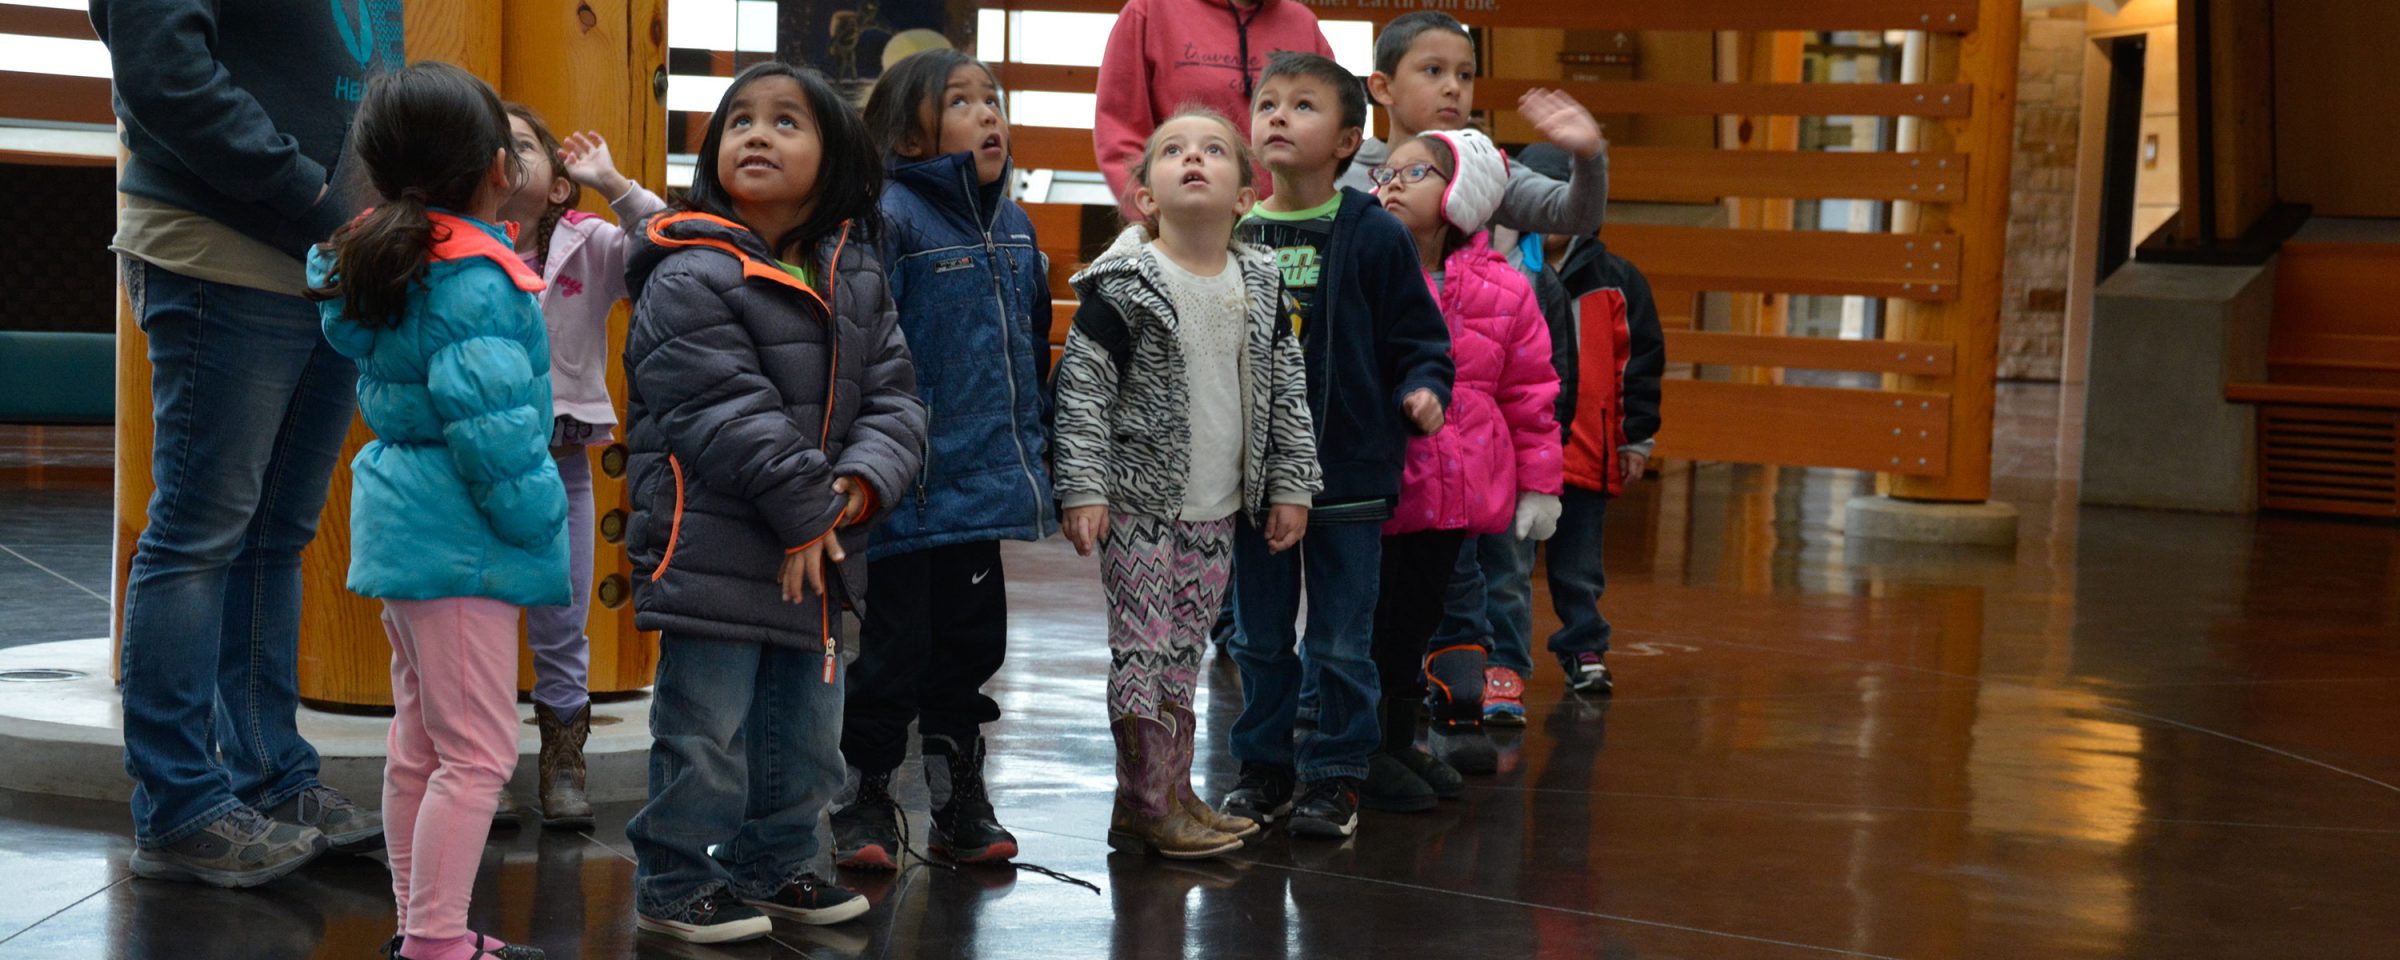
376,257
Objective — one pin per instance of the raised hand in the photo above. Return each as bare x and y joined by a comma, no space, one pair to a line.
585,158
1563,121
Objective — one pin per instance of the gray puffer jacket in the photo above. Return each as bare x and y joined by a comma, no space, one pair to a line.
1123,404
747,393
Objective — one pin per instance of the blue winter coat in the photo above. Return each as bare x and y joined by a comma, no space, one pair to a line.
974,299
457,495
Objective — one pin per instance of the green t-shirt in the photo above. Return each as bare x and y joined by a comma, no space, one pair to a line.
1301,240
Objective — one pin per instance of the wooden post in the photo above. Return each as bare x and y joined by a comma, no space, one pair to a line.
1986,59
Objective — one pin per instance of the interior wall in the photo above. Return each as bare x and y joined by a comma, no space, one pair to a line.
2156,181
2336,87
2041,213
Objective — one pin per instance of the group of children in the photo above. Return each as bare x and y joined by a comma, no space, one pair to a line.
839,403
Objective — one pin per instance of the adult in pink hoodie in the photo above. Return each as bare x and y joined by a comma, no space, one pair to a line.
1167,53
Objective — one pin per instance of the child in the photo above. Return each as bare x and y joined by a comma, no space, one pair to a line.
1151,68
974,299
457,517
771,408
581,259
1181,402
1425,76
1460,482
1378,369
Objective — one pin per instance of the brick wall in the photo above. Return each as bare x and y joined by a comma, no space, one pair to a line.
2041,219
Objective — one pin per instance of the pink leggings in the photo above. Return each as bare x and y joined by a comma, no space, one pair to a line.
453,746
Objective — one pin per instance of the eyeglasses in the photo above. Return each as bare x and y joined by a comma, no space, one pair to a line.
1413,173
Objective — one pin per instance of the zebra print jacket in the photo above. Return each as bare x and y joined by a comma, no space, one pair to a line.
1123,436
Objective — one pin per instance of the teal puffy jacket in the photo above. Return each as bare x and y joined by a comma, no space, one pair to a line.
457,496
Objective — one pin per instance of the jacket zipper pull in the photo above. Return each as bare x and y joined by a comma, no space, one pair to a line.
833,652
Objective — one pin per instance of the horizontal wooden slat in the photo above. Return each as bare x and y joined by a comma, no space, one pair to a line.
1947,16
2337,350
1051,148
1811,353
1881,430
42,158
1641,96
54,98
66,23
2303,393
1680,175
1057,227
1062,316
1907,266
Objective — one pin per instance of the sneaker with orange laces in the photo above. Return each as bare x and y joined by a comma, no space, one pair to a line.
1503,697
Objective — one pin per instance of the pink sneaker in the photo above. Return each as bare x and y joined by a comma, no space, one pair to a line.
1503,697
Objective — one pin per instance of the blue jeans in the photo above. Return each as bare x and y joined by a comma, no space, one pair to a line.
745,755
250,405
1490,602
1576,577
1341,567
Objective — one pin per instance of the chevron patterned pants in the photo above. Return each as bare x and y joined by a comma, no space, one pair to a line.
1165,581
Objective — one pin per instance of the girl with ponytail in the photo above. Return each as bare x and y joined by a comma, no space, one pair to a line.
457,515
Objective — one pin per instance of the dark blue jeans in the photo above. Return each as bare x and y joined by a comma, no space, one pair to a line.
249,404
745,755
1495,599
1339,564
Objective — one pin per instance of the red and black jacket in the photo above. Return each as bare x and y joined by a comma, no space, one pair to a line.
1609,351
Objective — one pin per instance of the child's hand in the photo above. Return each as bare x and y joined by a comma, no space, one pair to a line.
1424,410
1562,120
854,506
1634,464
584,156
1285,523
804,569
1085,526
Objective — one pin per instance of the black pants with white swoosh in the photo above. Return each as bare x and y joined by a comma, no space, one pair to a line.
936,630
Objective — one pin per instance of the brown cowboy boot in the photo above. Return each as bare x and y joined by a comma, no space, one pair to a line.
1186,727
1147,815
564,806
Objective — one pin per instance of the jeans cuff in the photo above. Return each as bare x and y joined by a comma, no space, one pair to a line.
186,828
648,905
1327,771
270,801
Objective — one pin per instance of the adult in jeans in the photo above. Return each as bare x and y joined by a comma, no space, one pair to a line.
234,116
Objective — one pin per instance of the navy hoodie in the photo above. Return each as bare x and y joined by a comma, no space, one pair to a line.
1380,336
239,112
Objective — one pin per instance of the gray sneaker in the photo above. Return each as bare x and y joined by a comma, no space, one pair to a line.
240,849
350,828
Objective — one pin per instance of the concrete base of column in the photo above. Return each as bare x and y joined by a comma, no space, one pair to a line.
1913,521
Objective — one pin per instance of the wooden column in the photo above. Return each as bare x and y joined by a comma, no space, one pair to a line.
1987,60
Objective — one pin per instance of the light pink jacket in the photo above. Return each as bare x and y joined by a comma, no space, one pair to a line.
586,273
1500,437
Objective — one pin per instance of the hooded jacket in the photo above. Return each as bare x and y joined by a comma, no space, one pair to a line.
457,495
974,298
1123,407
1163,54
747,394
1500,437
585,274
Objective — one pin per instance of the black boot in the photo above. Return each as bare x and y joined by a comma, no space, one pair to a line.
964,827
564,806
866,831
1400,717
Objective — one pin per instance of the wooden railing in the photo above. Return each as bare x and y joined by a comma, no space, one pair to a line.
1927,430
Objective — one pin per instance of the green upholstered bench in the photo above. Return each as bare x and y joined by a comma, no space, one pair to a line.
57,377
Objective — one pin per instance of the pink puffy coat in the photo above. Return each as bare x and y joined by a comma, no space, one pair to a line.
1501,434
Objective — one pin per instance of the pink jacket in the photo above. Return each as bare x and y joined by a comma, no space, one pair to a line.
1500,437
1166,53
586,273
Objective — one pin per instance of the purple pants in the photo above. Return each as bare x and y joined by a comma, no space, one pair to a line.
561,652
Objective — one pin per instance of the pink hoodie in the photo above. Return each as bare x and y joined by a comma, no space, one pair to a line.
586,273
1166,53
1500,437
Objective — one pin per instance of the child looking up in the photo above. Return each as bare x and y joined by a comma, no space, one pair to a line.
974,299
457,517
1181,403
581,259
771,408
1377,356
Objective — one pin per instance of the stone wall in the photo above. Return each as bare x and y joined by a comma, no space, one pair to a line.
2041,218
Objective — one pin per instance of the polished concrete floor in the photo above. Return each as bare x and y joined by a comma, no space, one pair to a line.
2137,735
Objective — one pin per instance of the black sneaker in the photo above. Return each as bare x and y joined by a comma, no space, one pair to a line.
1328,809
1444,779
483,948
1588,673
347,826
814,902
1264,793
715,918
964,827
1394,788
866,831
240,849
